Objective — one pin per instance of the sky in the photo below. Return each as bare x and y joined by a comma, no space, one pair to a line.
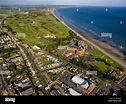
65,2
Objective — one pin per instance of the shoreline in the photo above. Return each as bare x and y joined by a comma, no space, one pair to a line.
108,50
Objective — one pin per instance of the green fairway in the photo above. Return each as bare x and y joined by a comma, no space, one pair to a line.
96,53
100,64
34,26
112,62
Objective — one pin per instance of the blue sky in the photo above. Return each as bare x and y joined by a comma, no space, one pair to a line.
65,2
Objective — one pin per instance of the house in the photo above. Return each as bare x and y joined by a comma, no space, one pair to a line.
91,88
49,36
89,58
23,86
62,47
80,52
81,43
24,12
17,60
116,73
73,92
28,91
74,51
35,47
5,93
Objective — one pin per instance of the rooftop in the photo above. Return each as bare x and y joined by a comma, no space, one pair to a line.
76,79
28,91
73,92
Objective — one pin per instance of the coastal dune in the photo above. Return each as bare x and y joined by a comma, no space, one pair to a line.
108,50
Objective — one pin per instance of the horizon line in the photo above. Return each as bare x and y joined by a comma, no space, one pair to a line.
61,5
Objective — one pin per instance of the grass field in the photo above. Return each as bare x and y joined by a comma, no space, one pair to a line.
96,53
100,64
112,62
34,26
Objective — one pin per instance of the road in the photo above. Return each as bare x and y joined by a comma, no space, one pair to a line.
68,63
51,68
28,55
4,84
35,65
32,58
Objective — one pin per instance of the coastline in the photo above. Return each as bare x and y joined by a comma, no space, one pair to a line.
108,50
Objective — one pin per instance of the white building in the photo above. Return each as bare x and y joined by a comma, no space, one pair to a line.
73,92
83,83
35,47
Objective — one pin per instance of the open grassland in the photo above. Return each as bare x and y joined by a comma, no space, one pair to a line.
112,62
100,64
35,25
96,53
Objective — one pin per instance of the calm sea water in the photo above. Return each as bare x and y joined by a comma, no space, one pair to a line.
100,22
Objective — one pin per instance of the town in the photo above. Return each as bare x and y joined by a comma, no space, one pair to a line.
51,64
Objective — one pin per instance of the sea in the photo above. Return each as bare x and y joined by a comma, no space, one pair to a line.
107,24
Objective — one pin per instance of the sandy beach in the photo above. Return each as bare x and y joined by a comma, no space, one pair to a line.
108,50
